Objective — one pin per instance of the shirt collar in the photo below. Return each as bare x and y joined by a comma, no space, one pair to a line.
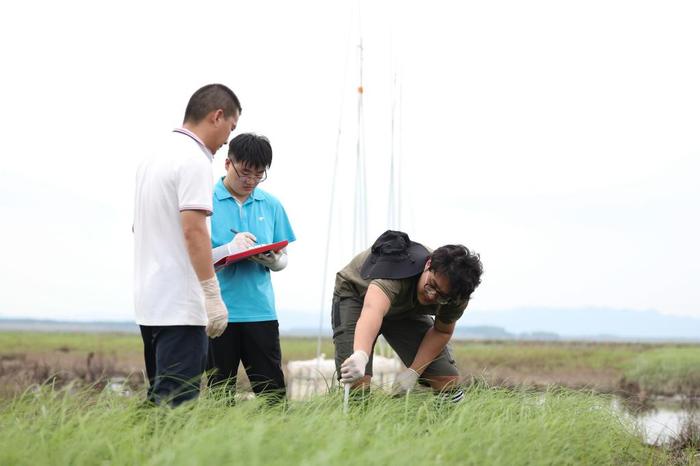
196,138
222,193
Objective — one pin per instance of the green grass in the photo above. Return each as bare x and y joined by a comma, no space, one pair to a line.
547,356
667,370
123,343
305,348
23,342
490,426
656,369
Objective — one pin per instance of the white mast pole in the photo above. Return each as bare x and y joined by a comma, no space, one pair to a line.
360,218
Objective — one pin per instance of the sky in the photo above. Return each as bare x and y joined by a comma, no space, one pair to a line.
559,140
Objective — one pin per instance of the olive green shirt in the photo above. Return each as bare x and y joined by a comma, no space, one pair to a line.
402,294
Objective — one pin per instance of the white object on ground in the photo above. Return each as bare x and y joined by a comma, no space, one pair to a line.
317,376
405,382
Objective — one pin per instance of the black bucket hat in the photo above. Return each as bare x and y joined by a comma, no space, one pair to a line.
394,255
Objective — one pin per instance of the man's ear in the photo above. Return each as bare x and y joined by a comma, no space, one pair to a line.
427,264
217,116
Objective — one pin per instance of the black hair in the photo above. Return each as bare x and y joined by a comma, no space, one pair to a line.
461,266
251,150
210,98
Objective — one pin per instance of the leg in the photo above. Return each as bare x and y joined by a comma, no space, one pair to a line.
364,383
149,357
345,313
441,383
262,358
405,336
181,352
224,357
445,386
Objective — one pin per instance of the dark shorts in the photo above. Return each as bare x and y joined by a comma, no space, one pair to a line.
404,334
257,346
175,357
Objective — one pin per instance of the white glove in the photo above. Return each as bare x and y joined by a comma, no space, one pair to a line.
274,261
240,242
353,368
217,314
404,382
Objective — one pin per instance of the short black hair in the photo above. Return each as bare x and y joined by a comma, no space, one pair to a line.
251,150
461,266
210,98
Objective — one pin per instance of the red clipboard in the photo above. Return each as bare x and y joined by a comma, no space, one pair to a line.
239,256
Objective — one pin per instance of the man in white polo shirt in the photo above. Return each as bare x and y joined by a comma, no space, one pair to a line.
177,298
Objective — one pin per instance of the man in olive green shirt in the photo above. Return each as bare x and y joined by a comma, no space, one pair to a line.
393,289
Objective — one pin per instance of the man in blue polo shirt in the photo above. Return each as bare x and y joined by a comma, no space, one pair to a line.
243,216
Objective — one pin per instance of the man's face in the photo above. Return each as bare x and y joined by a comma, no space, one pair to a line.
433,288
222,128
243,178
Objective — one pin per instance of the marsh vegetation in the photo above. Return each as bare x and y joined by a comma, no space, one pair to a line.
527,403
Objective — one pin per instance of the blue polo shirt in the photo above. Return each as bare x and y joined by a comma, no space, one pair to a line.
246,286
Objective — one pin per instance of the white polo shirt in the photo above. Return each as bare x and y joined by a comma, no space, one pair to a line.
176,178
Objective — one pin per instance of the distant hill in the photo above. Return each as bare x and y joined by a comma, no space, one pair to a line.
598,323
42,325
487,332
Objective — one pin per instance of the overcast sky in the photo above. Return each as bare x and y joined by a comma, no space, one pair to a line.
560,140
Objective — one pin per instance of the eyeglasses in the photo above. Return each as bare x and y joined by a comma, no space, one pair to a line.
250,178
431,289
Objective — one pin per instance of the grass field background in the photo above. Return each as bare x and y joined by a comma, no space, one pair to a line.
526,403
648,369
491,426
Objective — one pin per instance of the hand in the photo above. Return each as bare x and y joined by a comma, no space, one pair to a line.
217,317
353,368
264,258
217,314
273,260
242,241
404,382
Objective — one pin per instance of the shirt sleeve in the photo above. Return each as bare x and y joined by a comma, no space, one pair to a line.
391,288
283,228
194,185
449,314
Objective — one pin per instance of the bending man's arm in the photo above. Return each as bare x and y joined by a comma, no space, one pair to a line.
433,342
198,242
375,307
